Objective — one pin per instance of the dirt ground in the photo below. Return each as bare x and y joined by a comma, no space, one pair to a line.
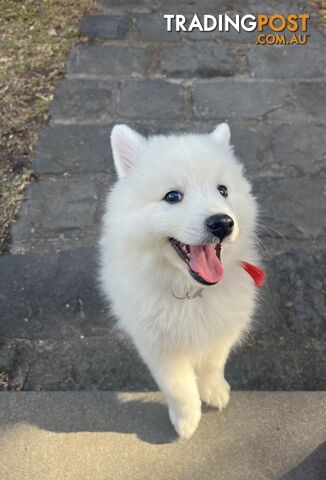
36,36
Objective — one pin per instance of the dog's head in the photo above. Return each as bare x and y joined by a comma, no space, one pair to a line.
182,198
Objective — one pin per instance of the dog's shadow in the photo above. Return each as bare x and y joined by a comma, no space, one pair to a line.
96,412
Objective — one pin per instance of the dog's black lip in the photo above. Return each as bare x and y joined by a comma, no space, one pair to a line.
195,275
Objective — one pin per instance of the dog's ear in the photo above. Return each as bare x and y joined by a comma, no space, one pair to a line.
125,144
222,134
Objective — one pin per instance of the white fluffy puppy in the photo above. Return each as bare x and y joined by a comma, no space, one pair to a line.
179,224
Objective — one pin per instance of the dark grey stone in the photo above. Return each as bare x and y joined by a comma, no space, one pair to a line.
228,99
74,149
251,146
83,100
152,28
270,7
293,206
90,363
288,61
7,354
291,308
105,26
151,99
299,148
16,357
61,208
264,368
315,37
193,6
123,6
53,296
159,126
313,466
296,278
202,60
232,36
310,99
113,61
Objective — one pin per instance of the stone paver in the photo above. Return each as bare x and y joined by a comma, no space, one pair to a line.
151,99
288,62
307,140
152,28
121,6
94,60
295,208
192,6
231,37
128,436
74,149
104,26
68,304
311,99
227,99
202,60
88,100
62,208
286,7
55,332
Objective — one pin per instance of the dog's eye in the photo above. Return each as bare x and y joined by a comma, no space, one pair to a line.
173,197
223,190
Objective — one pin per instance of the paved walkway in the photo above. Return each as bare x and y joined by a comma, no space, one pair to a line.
54,332
108,435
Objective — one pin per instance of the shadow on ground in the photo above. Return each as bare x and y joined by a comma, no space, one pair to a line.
312,467
146,418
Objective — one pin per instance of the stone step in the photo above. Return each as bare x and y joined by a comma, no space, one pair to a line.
106,435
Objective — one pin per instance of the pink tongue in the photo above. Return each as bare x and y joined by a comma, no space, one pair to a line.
203,260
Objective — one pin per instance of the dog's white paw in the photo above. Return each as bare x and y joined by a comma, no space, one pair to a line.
215,393
185,423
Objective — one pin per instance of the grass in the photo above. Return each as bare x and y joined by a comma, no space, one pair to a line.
4,381
320,6
36,36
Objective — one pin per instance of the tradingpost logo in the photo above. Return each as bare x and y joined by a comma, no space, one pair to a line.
273,29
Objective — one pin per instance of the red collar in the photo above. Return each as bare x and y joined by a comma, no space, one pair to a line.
256,273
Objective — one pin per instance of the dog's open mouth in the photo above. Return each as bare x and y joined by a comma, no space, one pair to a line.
204,261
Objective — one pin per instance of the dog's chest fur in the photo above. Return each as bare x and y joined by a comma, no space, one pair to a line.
152,312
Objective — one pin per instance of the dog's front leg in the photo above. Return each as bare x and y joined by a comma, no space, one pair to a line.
176,379
213,388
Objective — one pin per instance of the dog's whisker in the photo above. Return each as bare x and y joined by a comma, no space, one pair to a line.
271,229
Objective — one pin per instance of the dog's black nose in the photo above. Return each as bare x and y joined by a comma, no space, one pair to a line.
220,225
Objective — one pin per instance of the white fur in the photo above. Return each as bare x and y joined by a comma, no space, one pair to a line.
185,343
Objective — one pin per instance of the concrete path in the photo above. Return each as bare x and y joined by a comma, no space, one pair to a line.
107,435
55,333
